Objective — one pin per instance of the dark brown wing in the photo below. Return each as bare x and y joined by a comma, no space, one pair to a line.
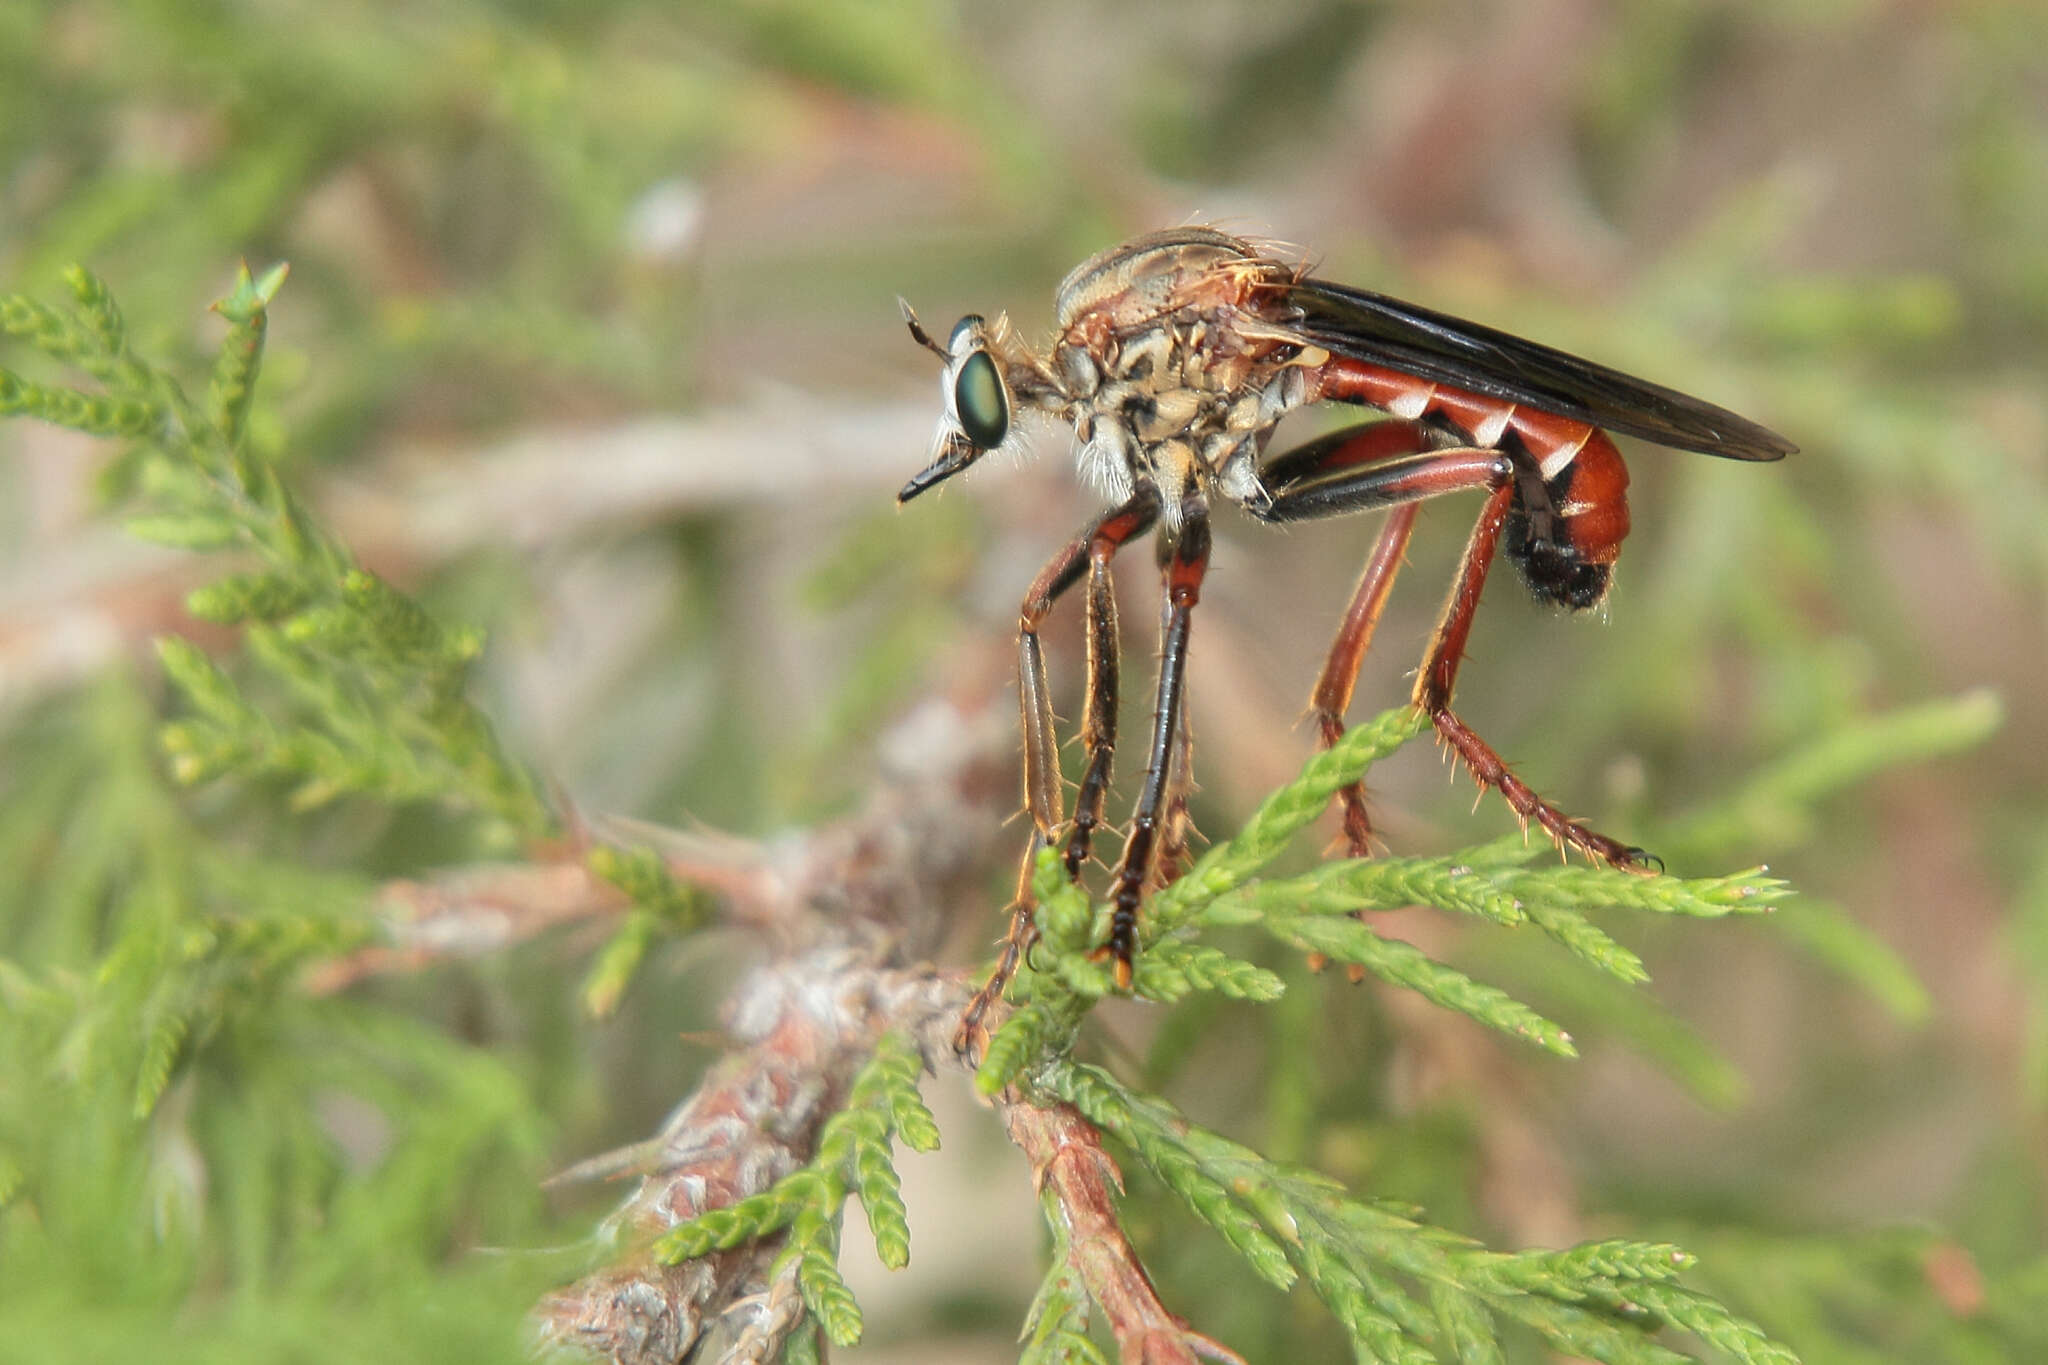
1465,355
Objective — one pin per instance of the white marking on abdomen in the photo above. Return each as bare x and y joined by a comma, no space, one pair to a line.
1553,464
1492,427
1411,403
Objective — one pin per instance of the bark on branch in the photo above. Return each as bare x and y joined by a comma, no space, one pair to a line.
852,912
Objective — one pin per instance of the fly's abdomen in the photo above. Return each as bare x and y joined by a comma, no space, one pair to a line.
1590,497
1569,518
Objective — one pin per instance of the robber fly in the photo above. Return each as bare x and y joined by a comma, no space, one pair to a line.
1175,356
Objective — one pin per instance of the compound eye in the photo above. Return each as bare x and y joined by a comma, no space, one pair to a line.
967,326
980,403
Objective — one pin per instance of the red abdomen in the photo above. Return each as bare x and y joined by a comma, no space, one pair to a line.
1565,538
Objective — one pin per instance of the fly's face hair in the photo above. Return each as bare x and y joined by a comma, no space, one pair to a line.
985,370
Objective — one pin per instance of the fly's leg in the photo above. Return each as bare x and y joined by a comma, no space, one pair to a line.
1185,563
1286,476
1043,799
1440,672
1017,940
1176,826
1332,697
1382,464
1357,470
1098,716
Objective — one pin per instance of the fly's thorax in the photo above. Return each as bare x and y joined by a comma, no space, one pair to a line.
1232,450
1129,286
1168,378
1185,401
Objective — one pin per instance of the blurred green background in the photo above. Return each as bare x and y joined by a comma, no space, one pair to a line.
590,340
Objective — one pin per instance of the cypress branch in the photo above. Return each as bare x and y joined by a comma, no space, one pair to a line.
379,680
1403,964
1603,1299
852,1157
1283,815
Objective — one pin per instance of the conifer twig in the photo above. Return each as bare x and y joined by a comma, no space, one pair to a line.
1079,1183
803,1026
854,908
470,913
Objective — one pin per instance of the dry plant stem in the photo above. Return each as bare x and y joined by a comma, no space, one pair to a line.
847,910
803,1027
847,907
470,914
1067,1161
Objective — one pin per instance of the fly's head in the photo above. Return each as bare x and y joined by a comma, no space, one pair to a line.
985,369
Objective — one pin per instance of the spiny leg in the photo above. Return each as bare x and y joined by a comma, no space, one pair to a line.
1043,800
1306,484
1332,697
1176,825
1185,564
1440,672
1017,940
1098,716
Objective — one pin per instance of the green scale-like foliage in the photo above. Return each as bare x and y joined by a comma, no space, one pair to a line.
1404,1291
853,1158
167,1082
1603,1300
1321,911
662,905
371,687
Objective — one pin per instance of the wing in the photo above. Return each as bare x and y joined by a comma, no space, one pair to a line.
1465,355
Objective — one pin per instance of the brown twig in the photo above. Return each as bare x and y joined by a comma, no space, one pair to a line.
803,1027
1078,1183
849,908
467,914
